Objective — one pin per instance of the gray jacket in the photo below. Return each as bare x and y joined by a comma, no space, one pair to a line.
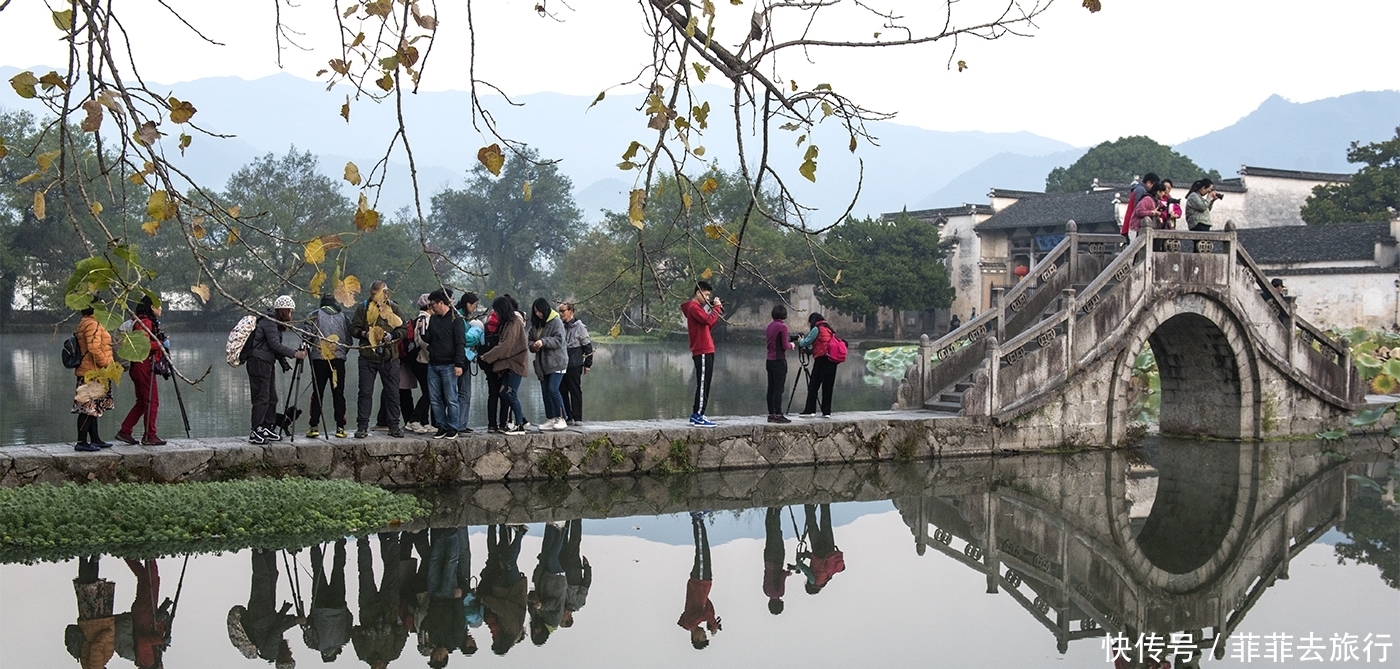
1198,211
578,343
326,322
552,358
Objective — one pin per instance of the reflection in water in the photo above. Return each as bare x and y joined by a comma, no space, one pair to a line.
1051,537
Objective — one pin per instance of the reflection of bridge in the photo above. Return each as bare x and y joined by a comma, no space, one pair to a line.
1057,537
1054,355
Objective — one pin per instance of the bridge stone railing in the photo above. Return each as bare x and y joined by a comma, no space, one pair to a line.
1023,364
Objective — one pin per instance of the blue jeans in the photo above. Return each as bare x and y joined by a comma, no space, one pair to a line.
464,399
450,565
553,399
442,394
510,392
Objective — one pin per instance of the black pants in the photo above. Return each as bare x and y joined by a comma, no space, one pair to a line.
420,412
777,378
87,429
571,558
321,375
819,532
388,374
773,550
823,377
704,371
328,592
497,411
701,570
379,606
262,385
571,388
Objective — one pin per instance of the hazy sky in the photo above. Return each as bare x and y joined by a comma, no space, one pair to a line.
1083,78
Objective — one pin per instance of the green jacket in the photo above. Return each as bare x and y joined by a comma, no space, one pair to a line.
359,329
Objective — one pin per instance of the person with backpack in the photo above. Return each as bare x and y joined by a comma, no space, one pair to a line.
819,340
332,328
264,348
378,324
93,398
1138,192
509,358
413,356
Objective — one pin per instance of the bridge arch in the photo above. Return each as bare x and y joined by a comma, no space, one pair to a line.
1208,370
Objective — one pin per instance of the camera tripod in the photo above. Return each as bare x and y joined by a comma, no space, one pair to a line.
804,360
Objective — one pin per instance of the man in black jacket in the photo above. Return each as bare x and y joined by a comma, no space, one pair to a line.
379,329
265,347
447,360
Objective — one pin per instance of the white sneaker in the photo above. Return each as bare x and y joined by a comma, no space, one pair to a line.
413,426
554,424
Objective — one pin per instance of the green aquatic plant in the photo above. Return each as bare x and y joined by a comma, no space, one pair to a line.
52,523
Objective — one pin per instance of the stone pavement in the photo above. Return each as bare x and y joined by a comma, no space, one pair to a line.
593,449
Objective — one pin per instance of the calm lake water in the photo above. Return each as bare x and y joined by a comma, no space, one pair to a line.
1022,562
629,381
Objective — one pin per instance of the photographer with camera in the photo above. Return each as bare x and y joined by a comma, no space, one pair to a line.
779,343
143,373
1199,203
265,347
702,312
823,376
378,324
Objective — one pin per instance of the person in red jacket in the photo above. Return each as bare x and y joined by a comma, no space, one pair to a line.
143,377
702,311
699,614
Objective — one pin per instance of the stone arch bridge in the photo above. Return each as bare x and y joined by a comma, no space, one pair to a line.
1054,356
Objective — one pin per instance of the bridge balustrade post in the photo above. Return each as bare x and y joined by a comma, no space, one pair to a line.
1290,306
1147,250
998,292
925,363
1231,254
993,553
993,359
1071,313
1072,234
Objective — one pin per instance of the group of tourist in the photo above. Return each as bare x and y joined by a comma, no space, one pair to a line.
1151,205
437,352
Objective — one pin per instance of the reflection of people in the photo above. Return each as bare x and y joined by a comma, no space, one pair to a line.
92,640
449,579
547,599
825,559
263,622
413,578
147,624
380,637
328,627
699,614
577,571
774,555
503,587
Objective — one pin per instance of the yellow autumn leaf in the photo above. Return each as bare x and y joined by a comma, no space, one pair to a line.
96,209
352,174
345,109
685,199
201,290
732,239
1092,5
234,210
386,82
160,207
150,227
3,151
27,178
636,207
63,20
714,231
24,84
709,185
137,179
962,65
707,274
838,276
184,142
327,346
372,312
39,205
346,289
615,330
232,236
528,191
366,220
197,228
180,110
376,335
317,282
331,242
45,160
314,252
492,158
93,121
699,151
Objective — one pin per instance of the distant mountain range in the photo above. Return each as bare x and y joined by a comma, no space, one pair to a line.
907,167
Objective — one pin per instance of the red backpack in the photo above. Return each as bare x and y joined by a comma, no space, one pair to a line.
836,349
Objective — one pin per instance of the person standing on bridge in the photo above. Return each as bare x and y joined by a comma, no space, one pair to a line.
1146,213
332,328
1139,192
823,376
264,348
702,312
1199,203
377,323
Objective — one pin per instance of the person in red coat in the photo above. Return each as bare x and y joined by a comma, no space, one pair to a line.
699,615
702,312
144,378
825,559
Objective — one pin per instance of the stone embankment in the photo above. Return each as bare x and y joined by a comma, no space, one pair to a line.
594,449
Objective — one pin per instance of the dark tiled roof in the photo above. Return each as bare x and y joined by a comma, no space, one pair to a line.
941,212
1054,210
1007,192
1231,186
1295,174
1314,243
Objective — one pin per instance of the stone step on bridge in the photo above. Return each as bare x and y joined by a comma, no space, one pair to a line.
1054,355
